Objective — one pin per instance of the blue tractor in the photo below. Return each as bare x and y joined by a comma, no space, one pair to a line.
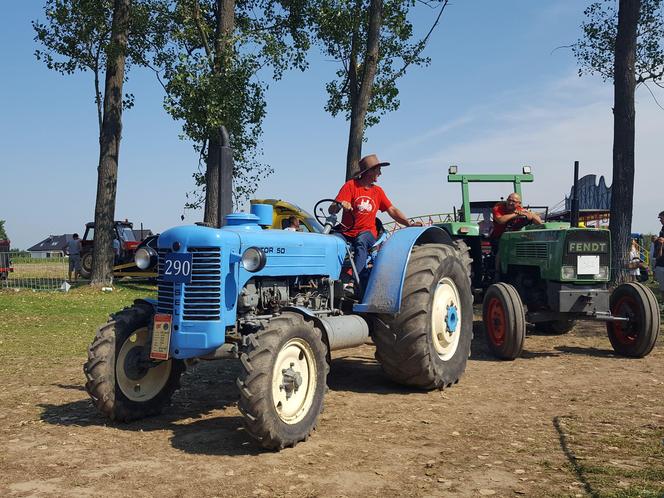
275,300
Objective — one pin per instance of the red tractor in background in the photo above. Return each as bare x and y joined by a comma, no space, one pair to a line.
5,262
124,264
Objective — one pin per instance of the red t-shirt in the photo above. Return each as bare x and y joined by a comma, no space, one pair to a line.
366,202
500,209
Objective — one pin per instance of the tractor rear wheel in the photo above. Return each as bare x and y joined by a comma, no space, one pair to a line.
427,344
637,337
283,381
121,381
86,264
555,327
504,321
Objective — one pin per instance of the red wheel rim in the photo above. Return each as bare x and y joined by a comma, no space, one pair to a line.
496,323
626,332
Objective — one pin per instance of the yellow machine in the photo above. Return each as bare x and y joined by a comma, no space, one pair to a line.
283,210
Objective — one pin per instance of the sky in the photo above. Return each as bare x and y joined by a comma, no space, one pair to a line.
501,92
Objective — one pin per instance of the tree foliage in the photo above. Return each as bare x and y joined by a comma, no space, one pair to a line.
595,50
626,46
342,30
76,35
214,79
3,233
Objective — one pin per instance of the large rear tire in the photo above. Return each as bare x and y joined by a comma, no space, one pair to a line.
121,385
504,321
427,344
637,337
283,381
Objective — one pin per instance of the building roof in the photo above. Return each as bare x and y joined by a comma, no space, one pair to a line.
52,243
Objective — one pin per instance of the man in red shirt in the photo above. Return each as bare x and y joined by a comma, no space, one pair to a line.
509,216
361,200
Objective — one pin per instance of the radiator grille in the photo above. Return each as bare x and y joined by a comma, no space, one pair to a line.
587,236
202,297
535,250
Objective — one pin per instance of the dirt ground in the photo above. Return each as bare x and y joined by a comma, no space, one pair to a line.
539,426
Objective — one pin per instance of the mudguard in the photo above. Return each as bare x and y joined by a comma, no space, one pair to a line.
385,286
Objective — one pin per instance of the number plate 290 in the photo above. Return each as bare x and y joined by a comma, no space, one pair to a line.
177,268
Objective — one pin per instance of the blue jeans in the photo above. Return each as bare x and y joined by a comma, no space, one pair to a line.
361,246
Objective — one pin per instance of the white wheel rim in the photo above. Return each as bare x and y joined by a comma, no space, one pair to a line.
445,302
292,400
150,384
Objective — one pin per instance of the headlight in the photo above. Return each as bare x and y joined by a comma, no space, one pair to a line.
568,273
603,273
253,259
145,257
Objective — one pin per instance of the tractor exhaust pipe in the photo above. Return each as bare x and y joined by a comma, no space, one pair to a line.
225,204
574,212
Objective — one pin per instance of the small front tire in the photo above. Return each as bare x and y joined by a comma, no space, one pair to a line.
283,381
504,321
637,337
119,381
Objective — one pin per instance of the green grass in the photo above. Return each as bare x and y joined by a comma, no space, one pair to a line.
59,324
625,460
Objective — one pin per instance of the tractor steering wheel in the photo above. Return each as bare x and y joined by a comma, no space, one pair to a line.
329,221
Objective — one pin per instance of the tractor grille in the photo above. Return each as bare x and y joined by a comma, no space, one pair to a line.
202,297
587,236
533,250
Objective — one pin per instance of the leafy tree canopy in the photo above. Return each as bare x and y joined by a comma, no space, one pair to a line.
595,50
3,233
213,80
341,30
76,36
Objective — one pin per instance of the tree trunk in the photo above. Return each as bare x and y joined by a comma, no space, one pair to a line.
360,104
109,150
223,58
622,186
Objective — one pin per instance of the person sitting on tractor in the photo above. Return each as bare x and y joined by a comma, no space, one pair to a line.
293,224
509,216
361,200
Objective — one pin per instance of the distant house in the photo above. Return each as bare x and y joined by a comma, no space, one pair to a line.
51,247
142,234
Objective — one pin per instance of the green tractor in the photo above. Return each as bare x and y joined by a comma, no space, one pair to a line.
547,276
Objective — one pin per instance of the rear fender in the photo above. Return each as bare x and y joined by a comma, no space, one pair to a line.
385,286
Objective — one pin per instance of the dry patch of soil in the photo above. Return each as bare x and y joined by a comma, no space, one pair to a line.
568,418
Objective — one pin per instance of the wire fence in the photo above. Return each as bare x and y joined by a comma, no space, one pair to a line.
21,271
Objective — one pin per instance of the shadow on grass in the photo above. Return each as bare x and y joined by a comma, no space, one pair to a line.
208,388
572,459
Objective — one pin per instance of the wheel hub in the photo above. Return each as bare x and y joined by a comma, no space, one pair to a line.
452,319
446,319
134,364
291,380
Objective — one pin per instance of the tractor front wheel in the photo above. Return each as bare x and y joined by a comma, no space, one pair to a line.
504,321
636,337
122,382
427,344
283,381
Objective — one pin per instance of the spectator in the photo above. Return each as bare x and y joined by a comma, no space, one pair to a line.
635,263
653,240
659,256
116,251
293,224
73,249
